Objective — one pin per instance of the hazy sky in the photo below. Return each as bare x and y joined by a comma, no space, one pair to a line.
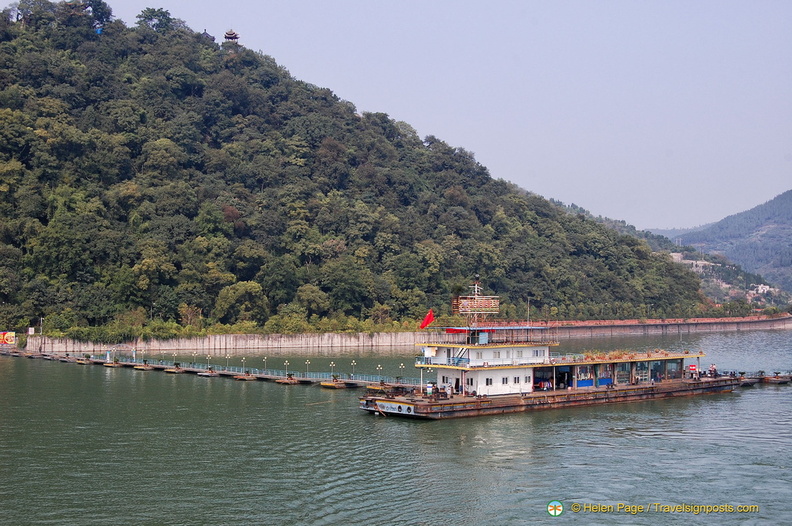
662,113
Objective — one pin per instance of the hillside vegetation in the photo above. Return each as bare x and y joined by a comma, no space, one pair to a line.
153,178
722,281
760,239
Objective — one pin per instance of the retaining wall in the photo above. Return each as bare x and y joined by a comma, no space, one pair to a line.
634,328
220,345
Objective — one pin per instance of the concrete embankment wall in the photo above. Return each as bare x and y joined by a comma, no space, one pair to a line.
221,345
632,328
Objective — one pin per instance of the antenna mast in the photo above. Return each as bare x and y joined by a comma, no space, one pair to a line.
477,308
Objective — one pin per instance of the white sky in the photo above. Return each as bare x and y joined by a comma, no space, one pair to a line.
664,113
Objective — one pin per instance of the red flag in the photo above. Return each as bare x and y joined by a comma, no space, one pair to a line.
427,320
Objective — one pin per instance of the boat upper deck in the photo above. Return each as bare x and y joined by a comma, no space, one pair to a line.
491,334
553,359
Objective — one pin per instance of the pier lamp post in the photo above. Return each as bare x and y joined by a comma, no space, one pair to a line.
332,369
401,371
307,363
354,363
227,357
174,359
243,364
265,365
379,372
207,362
194,356
286,365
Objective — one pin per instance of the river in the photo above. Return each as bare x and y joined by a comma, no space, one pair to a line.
95,445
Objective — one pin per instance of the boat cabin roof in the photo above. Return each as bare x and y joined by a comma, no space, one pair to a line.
491,328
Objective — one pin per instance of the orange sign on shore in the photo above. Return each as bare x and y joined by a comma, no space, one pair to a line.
7,338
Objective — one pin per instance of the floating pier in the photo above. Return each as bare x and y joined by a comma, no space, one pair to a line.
232,372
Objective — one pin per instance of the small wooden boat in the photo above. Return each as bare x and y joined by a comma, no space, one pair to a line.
287,381
748,381
81,362
209,373
174,370
144,367
776,380
245,377
333,384
112,364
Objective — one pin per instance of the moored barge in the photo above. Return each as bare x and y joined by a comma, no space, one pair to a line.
486,368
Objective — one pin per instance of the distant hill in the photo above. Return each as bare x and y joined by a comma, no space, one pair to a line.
760,239
674,233
723,280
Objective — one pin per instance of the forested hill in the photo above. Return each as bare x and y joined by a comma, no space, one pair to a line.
151,173
759,239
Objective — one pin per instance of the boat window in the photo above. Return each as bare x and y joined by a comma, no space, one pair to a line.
642,371
674,369
657,369
585,376
516,379
496,354
605,370
505,380
623,373
488,381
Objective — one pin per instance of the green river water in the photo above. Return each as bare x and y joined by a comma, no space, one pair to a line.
93,445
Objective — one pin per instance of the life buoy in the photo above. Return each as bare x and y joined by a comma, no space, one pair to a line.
400,409
409,409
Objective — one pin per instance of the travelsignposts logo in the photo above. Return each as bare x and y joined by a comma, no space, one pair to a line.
555,508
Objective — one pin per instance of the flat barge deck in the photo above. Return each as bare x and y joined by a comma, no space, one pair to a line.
456,406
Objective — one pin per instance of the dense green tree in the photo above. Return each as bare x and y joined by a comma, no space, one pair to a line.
156,19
